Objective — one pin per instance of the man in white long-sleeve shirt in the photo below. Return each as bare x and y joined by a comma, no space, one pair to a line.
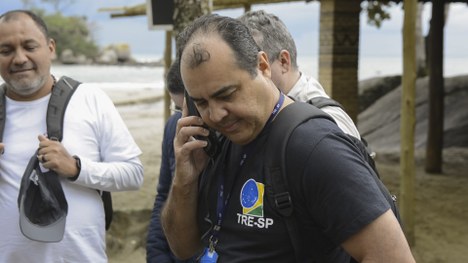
272,36
97,151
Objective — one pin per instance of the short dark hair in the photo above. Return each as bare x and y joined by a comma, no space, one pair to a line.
174,79
13,14
232,31
271,34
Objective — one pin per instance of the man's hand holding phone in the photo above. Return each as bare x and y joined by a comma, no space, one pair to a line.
192,146
212,146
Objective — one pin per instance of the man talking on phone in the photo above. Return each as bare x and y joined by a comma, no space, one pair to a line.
218,208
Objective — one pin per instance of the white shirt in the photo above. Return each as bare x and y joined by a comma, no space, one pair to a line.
93,130
307,88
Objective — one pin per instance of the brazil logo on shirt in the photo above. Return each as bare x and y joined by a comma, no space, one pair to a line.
251,198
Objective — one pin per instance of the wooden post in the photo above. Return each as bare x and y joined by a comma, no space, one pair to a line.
247,7
407,120
167,64
435,131
339,52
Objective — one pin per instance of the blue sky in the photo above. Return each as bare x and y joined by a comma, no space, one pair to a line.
301,18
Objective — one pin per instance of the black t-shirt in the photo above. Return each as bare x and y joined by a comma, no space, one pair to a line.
334,197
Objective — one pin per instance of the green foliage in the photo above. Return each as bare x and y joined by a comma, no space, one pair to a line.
376,12
71,33
58,5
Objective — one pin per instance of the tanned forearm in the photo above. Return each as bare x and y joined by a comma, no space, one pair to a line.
179,220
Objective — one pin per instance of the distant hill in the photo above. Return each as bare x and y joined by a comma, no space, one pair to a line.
379,123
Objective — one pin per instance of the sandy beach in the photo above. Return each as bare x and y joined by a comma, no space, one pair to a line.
441,213
142,111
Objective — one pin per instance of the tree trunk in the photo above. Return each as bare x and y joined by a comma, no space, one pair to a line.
421,64
408,120
185,11
435,135
167,65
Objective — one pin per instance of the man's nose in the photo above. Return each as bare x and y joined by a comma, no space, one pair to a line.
20,57
217,112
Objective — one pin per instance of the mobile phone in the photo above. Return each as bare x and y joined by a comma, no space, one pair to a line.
212,147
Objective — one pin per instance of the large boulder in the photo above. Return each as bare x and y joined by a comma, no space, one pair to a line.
116,54
67,57
123,52
380,123
107,56
370,90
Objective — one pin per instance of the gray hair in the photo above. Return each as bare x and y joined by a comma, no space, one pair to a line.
271,34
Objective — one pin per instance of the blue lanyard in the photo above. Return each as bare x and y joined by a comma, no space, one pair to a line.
222,203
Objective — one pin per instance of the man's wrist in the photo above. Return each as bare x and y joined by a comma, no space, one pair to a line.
78,168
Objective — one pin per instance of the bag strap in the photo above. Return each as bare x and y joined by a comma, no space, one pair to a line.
106,198
321,102
2,110
61,95
285,123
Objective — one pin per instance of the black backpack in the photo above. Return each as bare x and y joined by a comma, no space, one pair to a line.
61,94
368,154
285,123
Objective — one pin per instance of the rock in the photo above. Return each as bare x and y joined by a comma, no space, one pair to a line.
67,57
108,56
370,90
123,52
82,59
380,123
117,53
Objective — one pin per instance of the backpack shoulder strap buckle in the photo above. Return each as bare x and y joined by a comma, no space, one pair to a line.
283,203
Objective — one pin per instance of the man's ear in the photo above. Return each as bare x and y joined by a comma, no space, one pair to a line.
285,60
52,46
263,64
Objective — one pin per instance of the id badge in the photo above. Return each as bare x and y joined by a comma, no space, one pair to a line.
209,256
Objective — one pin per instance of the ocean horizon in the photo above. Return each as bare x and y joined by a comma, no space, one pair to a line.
369,66
150,77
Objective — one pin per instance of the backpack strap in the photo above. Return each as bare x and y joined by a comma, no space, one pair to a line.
2,110
106,198
280,197
321,102
61,95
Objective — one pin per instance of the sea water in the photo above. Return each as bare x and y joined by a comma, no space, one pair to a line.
113,76
129,76
377,66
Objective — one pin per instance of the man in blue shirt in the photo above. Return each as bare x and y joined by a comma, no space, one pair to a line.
157,249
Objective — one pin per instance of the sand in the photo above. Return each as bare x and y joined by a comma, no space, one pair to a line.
441,201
